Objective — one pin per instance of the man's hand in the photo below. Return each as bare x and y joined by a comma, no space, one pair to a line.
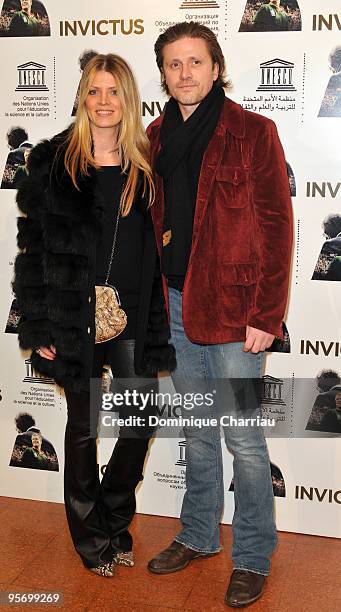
257,340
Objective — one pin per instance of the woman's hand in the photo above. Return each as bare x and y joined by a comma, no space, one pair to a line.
47,353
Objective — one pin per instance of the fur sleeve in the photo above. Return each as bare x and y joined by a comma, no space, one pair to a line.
159,355
28,284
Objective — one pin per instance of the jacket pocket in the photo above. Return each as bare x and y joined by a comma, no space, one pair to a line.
233,185
241,274
238,282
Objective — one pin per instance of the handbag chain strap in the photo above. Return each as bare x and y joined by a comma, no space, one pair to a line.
114,240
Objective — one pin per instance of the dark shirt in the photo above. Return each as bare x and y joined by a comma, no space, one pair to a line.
20,175
23,25
331,422
34,460
127,262
176,252
270,19
15,158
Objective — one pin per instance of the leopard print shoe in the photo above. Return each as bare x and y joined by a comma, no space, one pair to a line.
107,570
124,558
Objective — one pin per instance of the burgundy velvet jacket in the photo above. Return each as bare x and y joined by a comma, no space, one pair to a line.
238,272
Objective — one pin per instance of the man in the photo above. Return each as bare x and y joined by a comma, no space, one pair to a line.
26,427
24,23
33,457
328,265
331,103
223,223
21,171
17,139
271,18
331,419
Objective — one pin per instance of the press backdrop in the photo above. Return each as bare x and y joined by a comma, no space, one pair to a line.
292,76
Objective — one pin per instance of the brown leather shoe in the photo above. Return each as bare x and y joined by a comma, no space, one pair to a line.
174,558
245,587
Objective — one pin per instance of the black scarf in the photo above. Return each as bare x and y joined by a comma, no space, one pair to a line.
183,144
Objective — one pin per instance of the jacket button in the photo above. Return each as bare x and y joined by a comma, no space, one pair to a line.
89,330
89,298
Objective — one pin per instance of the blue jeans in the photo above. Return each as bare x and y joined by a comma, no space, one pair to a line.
254,530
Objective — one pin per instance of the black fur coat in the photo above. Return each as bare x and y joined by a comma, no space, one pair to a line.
55,274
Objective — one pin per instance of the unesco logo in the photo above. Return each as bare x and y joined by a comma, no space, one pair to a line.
182,454
276,75
272,390
34,377
199,4
31,77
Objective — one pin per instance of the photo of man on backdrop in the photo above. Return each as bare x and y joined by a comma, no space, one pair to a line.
292,180
281,345
24,18
278,483
328,266
272,16
331,103
15,167
326,411
31,449
13,319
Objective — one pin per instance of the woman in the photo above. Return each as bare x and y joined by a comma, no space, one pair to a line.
80,184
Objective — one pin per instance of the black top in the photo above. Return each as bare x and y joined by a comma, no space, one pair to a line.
127,262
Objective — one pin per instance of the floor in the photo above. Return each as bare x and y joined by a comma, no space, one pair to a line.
37,555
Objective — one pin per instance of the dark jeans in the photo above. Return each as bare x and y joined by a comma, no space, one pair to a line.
99,513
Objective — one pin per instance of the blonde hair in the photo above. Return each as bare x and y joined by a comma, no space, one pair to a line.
132,140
